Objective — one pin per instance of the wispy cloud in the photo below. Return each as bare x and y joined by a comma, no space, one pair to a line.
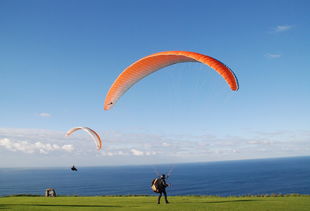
141,148
164,144
26,147
67,147
272,55
282,28
114,153
44,114
136,152
259,142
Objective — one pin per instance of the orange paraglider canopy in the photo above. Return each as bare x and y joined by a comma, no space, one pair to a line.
154,62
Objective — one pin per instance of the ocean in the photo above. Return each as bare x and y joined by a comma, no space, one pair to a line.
263,176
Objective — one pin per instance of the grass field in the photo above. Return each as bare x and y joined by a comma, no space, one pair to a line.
149,203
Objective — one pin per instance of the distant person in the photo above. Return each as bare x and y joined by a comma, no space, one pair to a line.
159,185
73,168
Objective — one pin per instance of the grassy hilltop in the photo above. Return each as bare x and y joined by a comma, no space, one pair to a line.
149,203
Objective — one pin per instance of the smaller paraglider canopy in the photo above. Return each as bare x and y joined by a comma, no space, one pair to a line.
73,168
91,132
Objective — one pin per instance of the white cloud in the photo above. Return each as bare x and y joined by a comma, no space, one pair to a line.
282,28
150,153
26,147
166,144
44,114
191,148
259,142
136,152
67,147
141,148
114,153
272,55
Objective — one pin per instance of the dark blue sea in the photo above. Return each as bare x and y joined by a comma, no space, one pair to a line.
265,176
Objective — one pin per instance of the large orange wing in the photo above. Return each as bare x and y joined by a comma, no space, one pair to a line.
154,62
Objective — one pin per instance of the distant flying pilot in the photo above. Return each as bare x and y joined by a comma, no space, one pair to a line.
73,168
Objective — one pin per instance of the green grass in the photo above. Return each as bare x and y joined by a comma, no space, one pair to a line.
149,203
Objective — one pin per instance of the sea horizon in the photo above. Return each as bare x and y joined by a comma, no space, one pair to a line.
154,164
221,178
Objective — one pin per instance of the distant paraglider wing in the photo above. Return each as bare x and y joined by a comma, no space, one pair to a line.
149,64
91,132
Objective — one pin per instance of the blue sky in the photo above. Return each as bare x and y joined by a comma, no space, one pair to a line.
59,58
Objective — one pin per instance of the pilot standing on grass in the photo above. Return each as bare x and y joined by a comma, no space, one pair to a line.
162,188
